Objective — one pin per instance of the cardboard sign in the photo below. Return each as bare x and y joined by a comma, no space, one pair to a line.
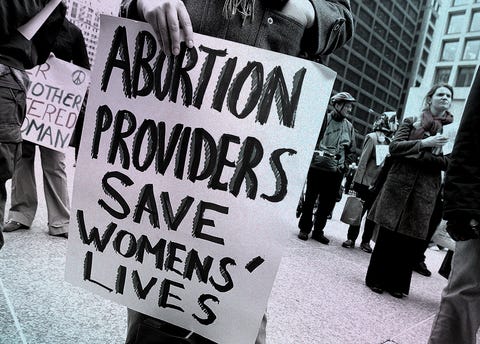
54,99
450,131
189,174
381,152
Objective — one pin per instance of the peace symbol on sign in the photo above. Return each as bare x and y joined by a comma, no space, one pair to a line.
78,77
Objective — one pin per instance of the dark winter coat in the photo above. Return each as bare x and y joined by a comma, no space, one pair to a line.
368,170
406,201
462,182
269,28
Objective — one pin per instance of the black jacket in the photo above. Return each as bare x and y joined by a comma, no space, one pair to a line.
15,50
462,183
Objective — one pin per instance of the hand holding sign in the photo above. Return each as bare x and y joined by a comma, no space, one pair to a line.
169,20
183,161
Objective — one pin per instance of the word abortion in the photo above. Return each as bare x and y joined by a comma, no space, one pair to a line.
261,94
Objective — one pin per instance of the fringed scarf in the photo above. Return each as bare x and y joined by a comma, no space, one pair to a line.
430,124
242,7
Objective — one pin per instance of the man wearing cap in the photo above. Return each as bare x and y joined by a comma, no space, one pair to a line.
335,151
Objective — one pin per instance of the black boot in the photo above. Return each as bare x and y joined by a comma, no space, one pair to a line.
320,237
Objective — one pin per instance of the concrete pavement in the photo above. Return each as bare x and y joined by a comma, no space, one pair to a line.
319,295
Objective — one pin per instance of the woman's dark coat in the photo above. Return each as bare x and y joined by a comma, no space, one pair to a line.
406,201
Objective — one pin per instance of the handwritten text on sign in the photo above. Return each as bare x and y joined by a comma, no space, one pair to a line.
54,100
189,174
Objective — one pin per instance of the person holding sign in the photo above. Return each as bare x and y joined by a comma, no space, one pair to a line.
18,53
367,172
335,152
70,47
458,316
404,206
308,28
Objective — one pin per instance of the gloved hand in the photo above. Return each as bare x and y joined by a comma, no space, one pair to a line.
460,230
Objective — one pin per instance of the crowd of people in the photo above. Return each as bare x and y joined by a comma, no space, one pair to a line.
401,195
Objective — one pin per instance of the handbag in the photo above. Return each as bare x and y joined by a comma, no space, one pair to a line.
352,212
442,238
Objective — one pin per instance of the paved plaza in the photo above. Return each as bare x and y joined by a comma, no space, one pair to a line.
319,295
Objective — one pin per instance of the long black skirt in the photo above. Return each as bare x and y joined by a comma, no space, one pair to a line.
392,261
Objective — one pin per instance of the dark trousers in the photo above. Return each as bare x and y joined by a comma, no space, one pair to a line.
323,185
143,329
9,155
368,198
392,261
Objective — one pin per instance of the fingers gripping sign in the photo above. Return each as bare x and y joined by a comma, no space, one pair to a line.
170,21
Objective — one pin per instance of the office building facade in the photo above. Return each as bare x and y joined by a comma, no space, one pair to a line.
386,56
455,53
86,15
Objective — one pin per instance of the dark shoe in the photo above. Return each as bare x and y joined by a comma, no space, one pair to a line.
396,294
377,290
1,240
366,247
321,238
422,269
348,244
12,226
303,236
62,235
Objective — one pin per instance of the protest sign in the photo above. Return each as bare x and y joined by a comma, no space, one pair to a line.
450,131
189,174
381,152
54,99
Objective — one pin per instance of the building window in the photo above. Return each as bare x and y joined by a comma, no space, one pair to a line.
421,71
359,47
382,80
409,26
455,22
394,27
371,4
371,72
461,2
475,23
368,86
407,38
365,16
448,51
356,62
337,67
374,58
392,41
389,54
442,74
386,67
464,76
377,44
428,42
365,100
363,32
353,77
472,48
398,14
383,15
380,30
